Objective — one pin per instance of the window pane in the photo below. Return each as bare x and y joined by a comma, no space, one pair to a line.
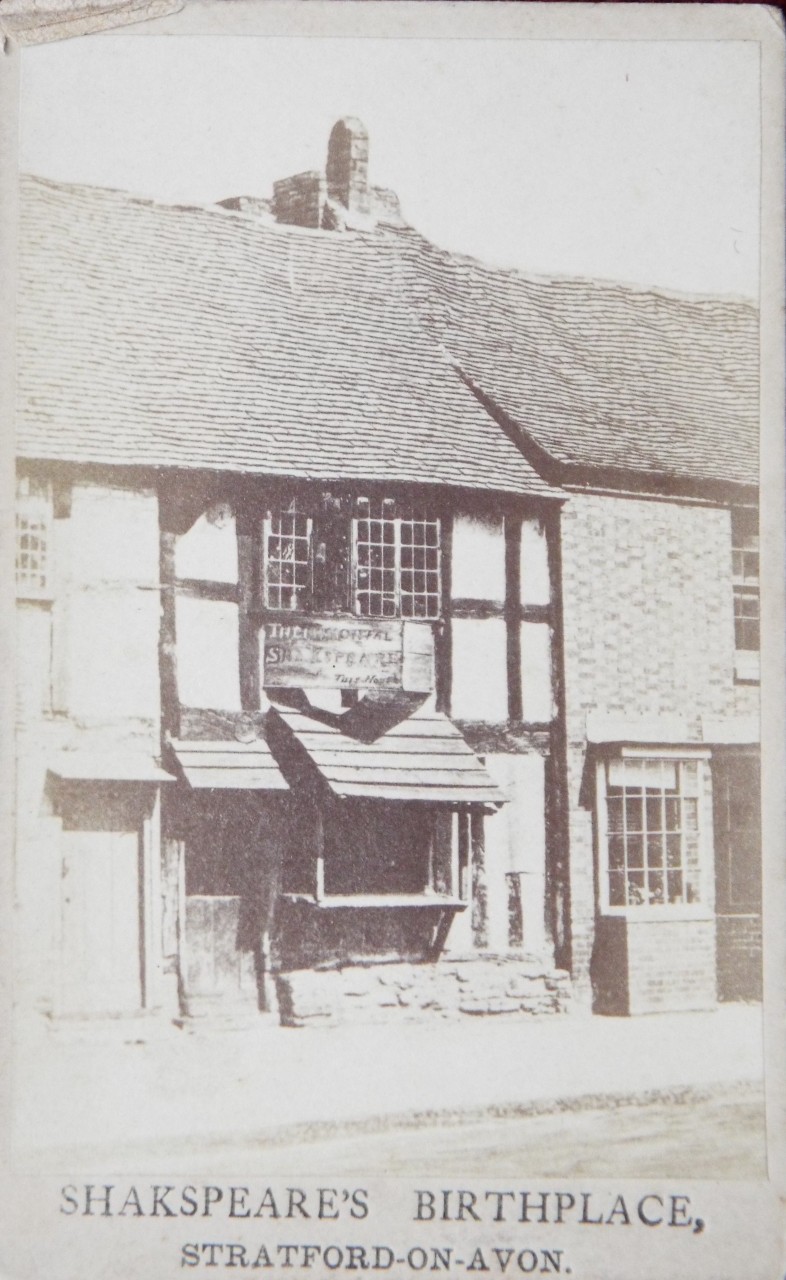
673,850
654,811
656,887
635,888
617,888
634,813
635,850
654,851
614,812
674,879
616,851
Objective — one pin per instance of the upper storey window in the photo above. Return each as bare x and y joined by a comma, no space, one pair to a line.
288,557
33,540
396,560
745,577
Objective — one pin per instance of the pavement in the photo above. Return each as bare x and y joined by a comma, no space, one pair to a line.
138,1089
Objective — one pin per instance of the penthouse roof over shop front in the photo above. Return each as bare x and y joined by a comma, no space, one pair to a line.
349,347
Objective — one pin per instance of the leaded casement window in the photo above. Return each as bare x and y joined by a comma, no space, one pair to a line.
288,557
650,836
745,577
33,539
396,560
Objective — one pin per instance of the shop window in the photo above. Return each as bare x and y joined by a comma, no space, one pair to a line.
649,817
288,557
372,847
33,540
396,568
745,578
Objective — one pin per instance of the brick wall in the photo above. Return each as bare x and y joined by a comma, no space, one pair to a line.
298,200
654,966
648,633
739,957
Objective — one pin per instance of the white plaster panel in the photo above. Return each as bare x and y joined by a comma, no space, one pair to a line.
515,839
113,653
535,580
207,653
208,550
480,674
536,692
114,535
418,658
478,558
33,660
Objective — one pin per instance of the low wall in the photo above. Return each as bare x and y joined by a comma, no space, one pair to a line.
482,986
653,965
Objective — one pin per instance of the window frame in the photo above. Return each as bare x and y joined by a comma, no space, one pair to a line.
293,506
34,500
404,512
745,542
704,907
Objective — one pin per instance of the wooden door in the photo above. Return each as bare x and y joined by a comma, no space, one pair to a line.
219,972
101,935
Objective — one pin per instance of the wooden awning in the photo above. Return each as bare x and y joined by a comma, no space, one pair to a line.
423,758
229,766
107,766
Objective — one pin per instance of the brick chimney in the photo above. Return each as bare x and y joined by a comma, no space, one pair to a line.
338,199
347,166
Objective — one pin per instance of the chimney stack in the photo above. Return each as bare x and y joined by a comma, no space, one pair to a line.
347,166
337,200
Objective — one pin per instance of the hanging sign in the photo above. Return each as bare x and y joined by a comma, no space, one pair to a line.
333,653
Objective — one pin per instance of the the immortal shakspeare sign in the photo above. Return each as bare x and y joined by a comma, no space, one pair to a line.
344,653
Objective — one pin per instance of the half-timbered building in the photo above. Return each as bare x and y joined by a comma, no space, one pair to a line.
388,623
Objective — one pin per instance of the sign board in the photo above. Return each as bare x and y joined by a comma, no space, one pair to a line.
333,653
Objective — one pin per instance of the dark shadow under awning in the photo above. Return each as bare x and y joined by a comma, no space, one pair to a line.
422,758
229,766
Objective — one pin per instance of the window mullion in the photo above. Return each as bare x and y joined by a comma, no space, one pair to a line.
397,563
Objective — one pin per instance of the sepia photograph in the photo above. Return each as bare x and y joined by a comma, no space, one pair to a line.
388,656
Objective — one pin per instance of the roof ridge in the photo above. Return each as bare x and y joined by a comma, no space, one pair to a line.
628,287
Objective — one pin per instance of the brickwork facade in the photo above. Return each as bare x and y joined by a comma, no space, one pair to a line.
739,957
649,642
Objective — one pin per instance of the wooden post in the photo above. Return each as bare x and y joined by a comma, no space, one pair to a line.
167,648
268,837
513,613
248,627
319,842
444,639
151,903
479,891
464,857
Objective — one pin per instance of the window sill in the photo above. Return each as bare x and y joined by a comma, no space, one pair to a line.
649,915
374,900
747,666
31,597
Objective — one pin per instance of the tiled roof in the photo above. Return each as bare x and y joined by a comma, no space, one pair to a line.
420,757
199,338
204,338
601,374
229,766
